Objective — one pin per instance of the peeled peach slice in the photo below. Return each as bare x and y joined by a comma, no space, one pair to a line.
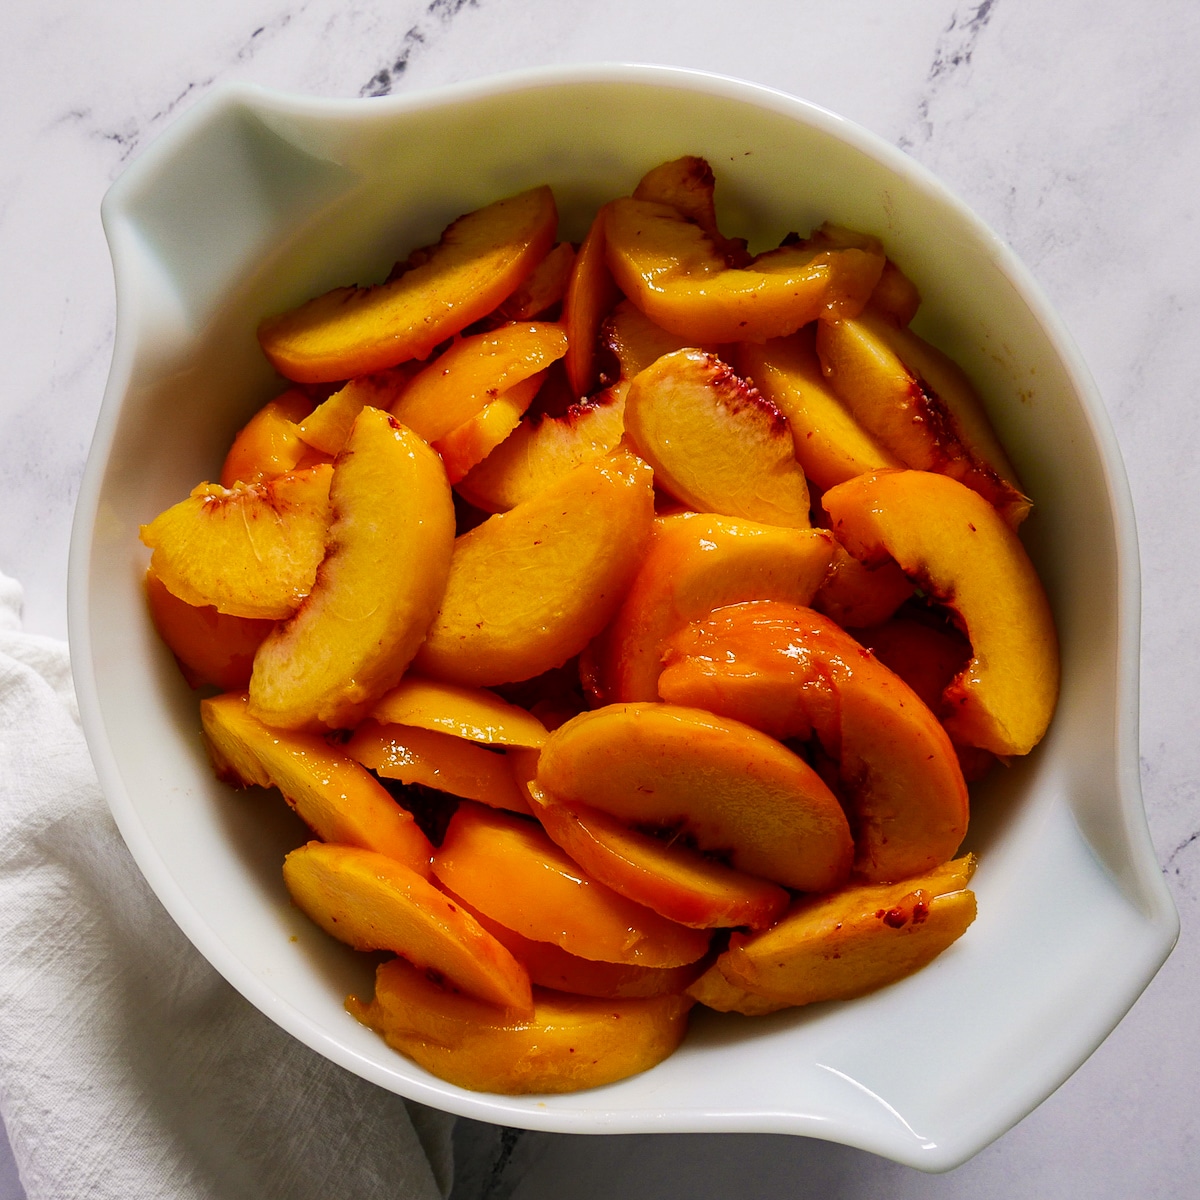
509,870
570,1043
529,588
543,289
895,295
696,563
789,671
338,799
926,656
328,426
472,441
466,712
481,258
371,902
269,444
636,342
856,594
714,991
590,294
962,553
724,787
714,443
379,585
688,185
251,550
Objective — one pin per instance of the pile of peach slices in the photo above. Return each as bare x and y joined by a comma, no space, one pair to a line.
624,620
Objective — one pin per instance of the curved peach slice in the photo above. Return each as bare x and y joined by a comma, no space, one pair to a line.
591,292
570,1043
717,783
251,550
466,712
338,799
714,991
857,594
328,426
855,941
636,342
670,268
437,760
529,588
509,870
480,260
461,382
378,587
714,443
696,563
541,451
472,441
674,880
269,444
895,295
371,902
789,671
688,185
210,647
962,553
543,289
830,444
926,656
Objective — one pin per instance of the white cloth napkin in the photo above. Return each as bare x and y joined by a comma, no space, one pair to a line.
128,1067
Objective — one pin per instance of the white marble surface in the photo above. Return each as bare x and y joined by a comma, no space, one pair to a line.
1074,129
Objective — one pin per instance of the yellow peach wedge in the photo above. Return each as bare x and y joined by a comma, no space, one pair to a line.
857,594
962,553
635,341
714,991
543,289
688,185
481,259
466,712
269,444
379,585
590,294
472,441
328,426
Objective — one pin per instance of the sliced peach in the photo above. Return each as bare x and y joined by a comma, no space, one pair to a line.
269,444
210,647
790,671
724,787
338,799
570,1043
372,902
328,426
961,552
543,289
671,269
856,594
926,656
591,292
509,870
481,259
714,443
529,588
473,372
472,441
714,991
379,585
895,295
543,450
696,563
466,712
251,550
830,444
636,342
688,185
855,941
437,760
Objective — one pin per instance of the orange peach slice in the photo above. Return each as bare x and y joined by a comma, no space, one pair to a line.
328,426
251,550
529,588
926,656
269,444
461,382
466,712
696,563
895,295
962,553
724,787
714,991
473,440
688,185
544,288
636,342
371,902
789,671
339,800
437,760
591,292
670,268
379,585
509,870
714,443
857,594
570,1043
543,450
855,941
481,259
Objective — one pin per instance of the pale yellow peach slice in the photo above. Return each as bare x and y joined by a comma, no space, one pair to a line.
328,426
466,712
714,991
472,441
543,289
635,341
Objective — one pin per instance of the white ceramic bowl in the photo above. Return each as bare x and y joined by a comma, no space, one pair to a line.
255,201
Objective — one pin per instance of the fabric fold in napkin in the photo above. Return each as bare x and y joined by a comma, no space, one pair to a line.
128,1067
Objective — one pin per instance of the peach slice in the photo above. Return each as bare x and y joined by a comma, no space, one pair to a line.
570,1043
714,991
251,550
473,440
636,342
677,882
926,656
269,444
856,594
696,563
830,444
714,443
339,800
481,259
895,295
543,450
437,760
591,292
529,588
371,902
328,426
379,585
466,712
961,552
724,787
670,268
473,372
688,185
790,672
543,289
509,870
855,941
